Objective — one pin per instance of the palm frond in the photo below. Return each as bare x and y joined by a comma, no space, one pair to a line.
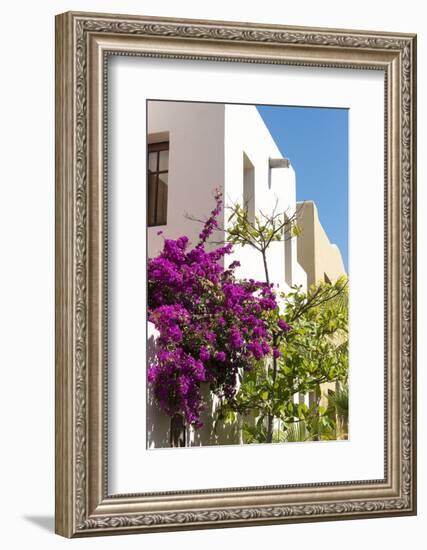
339,401
296,432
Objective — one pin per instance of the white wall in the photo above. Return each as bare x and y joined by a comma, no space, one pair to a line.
196,136
207,143
209,146
245,132
27,320
196,169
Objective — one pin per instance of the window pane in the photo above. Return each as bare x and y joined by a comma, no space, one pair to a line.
162,203
152,162
151,200
164,178
164,160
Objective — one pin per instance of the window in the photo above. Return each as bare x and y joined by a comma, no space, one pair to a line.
157,181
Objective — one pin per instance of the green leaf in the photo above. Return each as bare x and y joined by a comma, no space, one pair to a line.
302,410
230,417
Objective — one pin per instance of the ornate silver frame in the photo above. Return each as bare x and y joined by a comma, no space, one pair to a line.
83,42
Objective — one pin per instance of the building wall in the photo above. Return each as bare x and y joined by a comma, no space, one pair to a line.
196,164
247,140
316,254
321,260
207,146
225,146
196,167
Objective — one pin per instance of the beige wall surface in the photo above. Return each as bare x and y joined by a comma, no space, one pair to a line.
321,259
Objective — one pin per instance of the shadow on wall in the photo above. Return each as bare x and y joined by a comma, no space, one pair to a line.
157,423
44,522
214,432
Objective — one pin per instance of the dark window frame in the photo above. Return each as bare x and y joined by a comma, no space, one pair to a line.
158,216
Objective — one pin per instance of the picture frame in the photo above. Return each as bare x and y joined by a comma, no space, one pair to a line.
84,42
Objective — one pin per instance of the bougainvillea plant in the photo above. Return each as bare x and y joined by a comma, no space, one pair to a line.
212,326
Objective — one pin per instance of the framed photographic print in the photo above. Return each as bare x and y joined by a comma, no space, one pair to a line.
235,274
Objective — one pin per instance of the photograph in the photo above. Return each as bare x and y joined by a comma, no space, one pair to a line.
247,274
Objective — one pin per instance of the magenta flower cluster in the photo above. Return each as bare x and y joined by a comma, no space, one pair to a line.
211,325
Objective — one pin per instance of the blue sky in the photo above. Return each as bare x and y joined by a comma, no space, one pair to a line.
316,142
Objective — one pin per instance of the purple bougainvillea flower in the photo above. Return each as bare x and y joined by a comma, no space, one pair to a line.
210,323
204,353
276,353
283,325
236,339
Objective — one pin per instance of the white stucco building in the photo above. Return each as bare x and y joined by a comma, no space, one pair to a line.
229,147
195,148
